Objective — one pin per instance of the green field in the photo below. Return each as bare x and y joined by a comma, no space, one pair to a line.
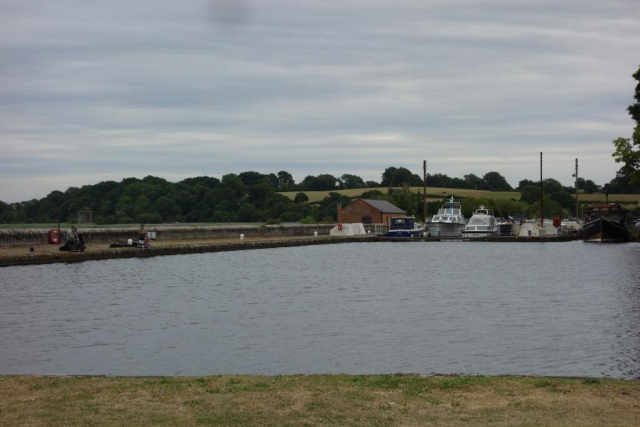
438,193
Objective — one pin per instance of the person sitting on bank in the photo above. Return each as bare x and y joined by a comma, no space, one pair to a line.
142,235
73,234
74,241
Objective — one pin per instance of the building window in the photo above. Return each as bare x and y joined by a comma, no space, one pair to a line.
366,220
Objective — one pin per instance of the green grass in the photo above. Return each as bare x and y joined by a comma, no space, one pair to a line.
318,400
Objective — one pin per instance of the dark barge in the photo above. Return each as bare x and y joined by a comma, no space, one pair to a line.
605,223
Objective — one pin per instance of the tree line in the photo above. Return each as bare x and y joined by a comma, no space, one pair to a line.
255,197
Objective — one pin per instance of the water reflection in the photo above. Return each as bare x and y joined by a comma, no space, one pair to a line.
479,308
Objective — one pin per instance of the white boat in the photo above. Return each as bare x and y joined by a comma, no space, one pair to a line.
481,224
449,222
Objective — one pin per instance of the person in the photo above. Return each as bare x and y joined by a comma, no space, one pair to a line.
74,241
142,235
73,234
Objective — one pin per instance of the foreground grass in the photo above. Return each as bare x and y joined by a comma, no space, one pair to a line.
318,400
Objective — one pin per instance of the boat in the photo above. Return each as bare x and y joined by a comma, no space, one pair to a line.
449,222
404,226
604,223
481,224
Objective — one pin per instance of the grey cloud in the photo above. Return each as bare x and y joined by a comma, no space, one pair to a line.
212,87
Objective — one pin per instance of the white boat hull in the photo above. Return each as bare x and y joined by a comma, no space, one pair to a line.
440,229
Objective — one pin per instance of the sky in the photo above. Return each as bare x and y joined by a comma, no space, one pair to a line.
95,91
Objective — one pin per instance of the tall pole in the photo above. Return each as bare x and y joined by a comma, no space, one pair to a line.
541,195
424,194
577,190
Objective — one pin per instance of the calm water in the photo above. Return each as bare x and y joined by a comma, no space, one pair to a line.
479,308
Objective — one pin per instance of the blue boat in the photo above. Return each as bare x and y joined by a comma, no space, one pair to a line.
404,227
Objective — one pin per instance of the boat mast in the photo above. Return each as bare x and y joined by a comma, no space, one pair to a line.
541,195
424,193
577,189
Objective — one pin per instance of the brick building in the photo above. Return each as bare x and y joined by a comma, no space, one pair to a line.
368,211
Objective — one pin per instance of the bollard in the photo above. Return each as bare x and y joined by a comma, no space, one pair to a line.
241,236
315,234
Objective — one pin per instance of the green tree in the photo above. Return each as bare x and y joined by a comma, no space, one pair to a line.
285,180
493,181
168,208
626,152
473,181
301,198
351,181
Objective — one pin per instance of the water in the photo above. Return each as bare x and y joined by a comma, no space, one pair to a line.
477,308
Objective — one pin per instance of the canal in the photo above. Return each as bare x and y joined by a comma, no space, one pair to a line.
568,309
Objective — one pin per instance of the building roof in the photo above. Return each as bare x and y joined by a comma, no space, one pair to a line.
383,206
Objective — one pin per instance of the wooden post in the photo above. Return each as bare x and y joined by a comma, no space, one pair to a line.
541,195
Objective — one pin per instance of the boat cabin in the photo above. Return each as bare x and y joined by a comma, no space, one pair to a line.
610,211
402,223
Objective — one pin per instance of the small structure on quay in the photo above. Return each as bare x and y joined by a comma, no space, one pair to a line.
369,211
341,229
85,217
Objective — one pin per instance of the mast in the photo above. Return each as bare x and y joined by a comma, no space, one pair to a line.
541,195
424,193
577,189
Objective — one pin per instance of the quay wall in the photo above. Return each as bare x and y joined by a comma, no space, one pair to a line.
58,257
111,235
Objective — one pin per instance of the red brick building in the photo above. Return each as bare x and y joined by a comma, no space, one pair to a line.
368,211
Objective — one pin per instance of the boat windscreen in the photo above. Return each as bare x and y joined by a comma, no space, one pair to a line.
479,221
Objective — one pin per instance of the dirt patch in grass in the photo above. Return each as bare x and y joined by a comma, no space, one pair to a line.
318,400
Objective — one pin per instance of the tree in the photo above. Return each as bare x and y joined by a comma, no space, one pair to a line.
493,181
590,187
301,198
285,180
625,152
351,181
386,176
168,208
402,177
473,181
526,183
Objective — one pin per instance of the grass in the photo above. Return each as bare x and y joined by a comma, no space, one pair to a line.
438,193
318,400
435,193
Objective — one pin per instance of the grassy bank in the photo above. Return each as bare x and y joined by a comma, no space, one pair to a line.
318,400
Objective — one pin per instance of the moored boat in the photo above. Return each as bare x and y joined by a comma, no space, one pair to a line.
604,223
404,227
481,224
449,222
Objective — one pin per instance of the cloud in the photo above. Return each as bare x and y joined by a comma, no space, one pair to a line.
119,89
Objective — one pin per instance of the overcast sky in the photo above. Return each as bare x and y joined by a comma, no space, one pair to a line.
93,91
